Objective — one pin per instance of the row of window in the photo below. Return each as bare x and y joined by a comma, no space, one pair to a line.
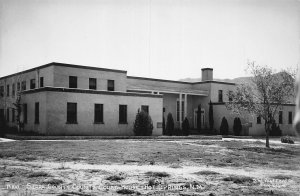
72,84
280,118
98,113
92,83
220,96
21,86
13,115
72,113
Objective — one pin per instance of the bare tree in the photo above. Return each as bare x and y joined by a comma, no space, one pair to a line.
264,95
18,108
17,100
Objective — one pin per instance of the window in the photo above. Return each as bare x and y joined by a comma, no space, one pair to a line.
7,114
18,86
145,108
123,114
93,83
7,90
2,115
25,113
182,111
280,117
110,85
290,117
13,115
1,91
37,113
13,89
72,113
230,94
258,120
72,82
41,82
220,96
32,84
98,113
23,86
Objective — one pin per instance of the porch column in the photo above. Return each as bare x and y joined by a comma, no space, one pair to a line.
185,105
180,110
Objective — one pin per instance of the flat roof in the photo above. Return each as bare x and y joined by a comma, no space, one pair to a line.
169,90
180,82
112,70
88,91
158,80
65,65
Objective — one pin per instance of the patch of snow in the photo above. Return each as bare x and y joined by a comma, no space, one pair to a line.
184,171
272,141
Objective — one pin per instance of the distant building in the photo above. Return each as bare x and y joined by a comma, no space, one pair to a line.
65,99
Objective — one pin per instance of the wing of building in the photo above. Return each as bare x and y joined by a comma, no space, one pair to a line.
65,99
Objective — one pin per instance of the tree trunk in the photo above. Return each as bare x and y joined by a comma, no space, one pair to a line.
267,135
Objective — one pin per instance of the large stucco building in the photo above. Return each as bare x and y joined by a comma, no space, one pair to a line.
65,99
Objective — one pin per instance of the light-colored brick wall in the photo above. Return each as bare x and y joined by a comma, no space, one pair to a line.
155,84
286,127
53,104
8,102
57,111
30,100
214,90
61,78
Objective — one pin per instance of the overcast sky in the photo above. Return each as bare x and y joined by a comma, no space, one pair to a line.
168,39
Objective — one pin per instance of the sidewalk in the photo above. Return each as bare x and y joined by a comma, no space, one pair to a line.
200,137
6,140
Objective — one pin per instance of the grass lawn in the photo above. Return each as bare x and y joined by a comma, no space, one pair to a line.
149,167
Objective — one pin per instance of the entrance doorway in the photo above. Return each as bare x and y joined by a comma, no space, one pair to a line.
202,118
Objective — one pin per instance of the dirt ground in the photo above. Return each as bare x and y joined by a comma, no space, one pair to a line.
149,167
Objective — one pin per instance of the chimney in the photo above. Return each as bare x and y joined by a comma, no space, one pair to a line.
207,74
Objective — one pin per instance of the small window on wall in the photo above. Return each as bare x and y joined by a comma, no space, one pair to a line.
25,113
280,117
32,84
290,117
122,114
7,90
98,113
220,96
1,91
93,83
72,82
145,108
23,86
37,113
258,120
72,113
7,114
18,86
110,85
13,89
41,82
